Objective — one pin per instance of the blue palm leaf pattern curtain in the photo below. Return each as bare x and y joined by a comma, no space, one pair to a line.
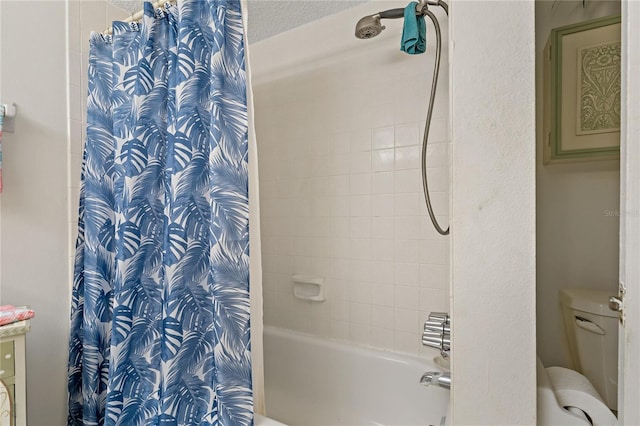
160,303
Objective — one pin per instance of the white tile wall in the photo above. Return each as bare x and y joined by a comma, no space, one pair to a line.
341,196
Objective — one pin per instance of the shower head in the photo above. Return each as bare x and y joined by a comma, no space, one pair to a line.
369,27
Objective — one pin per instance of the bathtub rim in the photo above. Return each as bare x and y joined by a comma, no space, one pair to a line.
357,349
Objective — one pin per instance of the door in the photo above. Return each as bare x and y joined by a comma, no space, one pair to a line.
629,344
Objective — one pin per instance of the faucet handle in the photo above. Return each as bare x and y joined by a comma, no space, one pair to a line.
435,325
440,317
446,343
432,339
437,332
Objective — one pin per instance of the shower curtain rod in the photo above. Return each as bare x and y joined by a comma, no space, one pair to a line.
139,14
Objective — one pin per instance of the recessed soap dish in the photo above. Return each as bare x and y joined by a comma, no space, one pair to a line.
308,287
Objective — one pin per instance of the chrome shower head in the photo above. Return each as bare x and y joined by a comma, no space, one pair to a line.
369,27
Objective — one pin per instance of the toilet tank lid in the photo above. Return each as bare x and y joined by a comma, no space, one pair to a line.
586,300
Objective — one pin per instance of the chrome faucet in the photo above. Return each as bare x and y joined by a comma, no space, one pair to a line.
437,334
436,378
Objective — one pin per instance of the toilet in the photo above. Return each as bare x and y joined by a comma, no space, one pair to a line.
592,333
565,397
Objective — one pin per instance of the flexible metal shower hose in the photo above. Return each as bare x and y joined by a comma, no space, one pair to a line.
436,71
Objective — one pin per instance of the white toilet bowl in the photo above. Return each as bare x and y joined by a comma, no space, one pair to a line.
565,397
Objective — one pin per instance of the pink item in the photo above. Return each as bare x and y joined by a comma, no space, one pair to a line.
1,120
10,314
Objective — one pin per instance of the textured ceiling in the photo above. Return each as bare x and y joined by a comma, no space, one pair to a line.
270,17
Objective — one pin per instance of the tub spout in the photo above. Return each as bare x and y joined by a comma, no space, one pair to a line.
436,378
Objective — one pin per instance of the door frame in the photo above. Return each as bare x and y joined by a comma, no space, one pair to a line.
629,346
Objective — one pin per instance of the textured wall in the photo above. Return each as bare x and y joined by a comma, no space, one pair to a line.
577,242
339,128
493,213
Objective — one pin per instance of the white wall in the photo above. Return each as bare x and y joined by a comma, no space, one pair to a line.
34,221
339,123
493,212
577,243
41,174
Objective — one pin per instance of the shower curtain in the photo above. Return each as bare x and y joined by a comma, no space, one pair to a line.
160,302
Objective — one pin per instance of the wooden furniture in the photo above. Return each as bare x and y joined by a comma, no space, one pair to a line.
13,373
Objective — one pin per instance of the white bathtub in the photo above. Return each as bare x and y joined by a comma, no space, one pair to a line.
259,420
312,381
